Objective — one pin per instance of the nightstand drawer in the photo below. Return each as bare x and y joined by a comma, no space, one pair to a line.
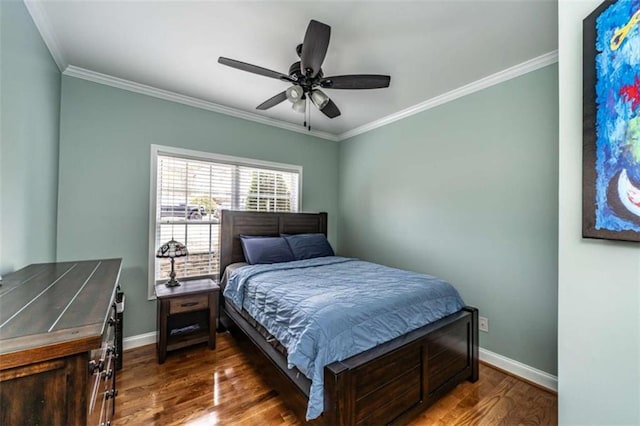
188,303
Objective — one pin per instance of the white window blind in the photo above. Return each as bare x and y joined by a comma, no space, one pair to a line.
191,192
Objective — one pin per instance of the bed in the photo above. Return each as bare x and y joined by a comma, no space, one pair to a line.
386,384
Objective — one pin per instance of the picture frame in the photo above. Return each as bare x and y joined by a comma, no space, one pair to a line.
611,122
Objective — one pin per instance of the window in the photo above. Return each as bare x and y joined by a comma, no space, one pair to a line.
188,191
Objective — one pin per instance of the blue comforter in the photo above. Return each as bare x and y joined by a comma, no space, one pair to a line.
330,308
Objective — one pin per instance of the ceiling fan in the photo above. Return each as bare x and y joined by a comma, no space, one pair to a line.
306,75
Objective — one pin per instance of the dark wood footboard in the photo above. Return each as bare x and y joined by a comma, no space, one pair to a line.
388,384
393,382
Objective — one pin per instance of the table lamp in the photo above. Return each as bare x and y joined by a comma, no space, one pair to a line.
172,249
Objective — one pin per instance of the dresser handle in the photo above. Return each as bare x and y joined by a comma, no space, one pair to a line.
96,366
107,374
185,305
111,393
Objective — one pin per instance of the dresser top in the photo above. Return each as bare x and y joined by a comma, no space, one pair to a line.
56,304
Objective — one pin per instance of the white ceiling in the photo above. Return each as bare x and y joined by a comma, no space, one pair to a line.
428,47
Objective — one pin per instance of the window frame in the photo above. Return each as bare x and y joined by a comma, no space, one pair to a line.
189,154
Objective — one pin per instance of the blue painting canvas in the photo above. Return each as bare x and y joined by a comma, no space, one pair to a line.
611,204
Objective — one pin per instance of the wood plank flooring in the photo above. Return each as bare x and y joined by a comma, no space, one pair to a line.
197,386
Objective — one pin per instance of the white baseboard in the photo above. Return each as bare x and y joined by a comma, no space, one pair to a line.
139,340
539,377
514,367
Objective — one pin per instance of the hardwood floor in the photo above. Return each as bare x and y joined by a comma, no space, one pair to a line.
197,386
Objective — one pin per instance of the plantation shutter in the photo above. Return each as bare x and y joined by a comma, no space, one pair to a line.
190,194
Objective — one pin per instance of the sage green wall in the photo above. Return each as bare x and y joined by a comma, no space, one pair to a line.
468,191
29,128
103,205
598,280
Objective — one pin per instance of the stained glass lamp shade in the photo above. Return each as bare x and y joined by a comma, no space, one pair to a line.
172,249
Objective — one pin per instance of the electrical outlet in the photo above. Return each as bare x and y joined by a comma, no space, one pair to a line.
483,324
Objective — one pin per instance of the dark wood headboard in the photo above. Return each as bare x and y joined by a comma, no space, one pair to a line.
235,223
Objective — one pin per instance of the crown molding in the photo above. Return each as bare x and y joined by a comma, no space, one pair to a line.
39,17
131,86
491,80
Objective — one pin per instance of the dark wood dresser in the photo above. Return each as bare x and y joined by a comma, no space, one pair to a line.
58,350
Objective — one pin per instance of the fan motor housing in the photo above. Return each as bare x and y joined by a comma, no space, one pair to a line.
294,70
303,81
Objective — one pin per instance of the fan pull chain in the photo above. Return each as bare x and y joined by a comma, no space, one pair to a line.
305,114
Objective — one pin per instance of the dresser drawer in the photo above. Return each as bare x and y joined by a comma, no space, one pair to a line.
103,393
102,380
188,303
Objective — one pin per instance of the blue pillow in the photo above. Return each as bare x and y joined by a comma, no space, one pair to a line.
265,249
308,246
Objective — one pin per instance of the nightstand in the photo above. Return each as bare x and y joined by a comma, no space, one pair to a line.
186,315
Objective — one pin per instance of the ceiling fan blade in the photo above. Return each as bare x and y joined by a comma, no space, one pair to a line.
253,69
357,81
330,110
314,47
271,102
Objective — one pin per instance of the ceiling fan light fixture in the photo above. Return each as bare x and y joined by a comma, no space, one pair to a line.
294,93
306,75
319,98
299,106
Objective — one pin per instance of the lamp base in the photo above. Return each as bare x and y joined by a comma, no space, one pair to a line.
172,283
172,276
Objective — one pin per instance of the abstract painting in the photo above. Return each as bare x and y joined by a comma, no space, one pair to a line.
611,122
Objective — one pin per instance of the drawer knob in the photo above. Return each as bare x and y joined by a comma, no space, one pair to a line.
96,366
187,304
111,350
111,393
106,375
